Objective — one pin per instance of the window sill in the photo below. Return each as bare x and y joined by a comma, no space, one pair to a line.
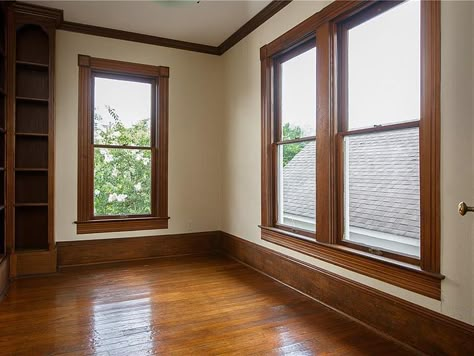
117,225
401,274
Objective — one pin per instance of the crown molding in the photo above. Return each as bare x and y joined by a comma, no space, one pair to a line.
58,15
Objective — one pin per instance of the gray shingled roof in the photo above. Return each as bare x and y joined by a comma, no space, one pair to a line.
299,178
383,182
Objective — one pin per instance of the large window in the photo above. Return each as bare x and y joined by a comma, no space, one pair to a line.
369,137
122,146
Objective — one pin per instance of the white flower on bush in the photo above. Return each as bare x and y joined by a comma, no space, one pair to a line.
117,197
97,192
107,156
138,186
115,172
146,161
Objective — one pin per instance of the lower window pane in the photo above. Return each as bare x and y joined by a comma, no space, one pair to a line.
297,185
382,190
122,181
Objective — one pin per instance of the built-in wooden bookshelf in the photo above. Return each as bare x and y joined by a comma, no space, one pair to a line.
30,131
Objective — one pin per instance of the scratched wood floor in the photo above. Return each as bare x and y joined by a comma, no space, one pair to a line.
206,305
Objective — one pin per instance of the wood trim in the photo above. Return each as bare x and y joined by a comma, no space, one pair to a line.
421,328
41,13
158,76
137,37
116,225
28,263
308,27
260,18
125,249
397,273
430,131
4,276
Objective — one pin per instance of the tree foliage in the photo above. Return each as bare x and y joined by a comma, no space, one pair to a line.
291,150
122,177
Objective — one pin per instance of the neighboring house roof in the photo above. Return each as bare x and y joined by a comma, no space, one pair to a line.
383,182
299,189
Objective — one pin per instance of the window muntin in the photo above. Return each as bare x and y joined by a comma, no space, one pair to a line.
122,146
383,59
295,106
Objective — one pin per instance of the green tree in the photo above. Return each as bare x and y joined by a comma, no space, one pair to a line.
292,149
122,177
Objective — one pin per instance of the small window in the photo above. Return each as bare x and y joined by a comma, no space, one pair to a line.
122,146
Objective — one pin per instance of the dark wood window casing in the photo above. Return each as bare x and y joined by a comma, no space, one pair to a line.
327,29
158,76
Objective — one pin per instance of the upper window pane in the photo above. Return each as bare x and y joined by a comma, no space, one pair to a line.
122,112
298,96
384,68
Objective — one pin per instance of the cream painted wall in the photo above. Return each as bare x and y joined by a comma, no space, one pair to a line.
241,155
195,126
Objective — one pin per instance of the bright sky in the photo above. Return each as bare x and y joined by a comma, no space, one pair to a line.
131,100
299,92
384,73
384,68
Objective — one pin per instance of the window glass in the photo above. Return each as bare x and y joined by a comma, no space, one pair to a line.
122,112
298,96
297,185
122,181
384,68
382,190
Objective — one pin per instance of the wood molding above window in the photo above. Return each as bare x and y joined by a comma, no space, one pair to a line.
157,77
421,275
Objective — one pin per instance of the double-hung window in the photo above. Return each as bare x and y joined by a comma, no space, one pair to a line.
122,146
350,140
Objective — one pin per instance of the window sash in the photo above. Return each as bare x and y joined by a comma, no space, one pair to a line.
295,51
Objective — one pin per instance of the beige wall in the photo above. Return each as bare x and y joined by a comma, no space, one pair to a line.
241,156
194,129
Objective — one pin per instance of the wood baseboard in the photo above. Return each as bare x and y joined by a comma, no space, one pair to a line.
125,249
30,263
4,276
421,328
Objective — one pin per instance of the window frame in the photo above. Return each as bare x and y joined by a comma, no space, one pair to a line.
158,76
421,276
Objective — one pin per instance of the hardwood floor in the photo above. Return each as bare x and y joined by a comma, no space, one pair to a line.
204,305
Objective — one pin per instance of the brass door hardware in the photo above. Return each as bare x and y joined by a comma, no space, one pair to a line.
463,208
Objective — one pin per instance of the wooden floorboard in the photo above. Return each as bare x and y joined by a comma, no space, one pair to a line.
205,305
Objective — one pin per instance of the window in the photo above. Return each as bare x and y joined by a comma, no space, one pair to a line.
123,124
295,146
373,162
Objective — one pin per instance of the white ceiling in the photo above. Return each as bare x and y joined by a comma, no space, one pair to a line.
207,22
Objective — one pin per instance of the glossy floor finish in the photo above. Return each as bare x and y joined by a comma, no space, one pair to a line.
205,305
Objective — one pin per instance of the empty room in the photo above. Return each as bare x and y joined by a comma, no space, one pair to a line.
226,177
